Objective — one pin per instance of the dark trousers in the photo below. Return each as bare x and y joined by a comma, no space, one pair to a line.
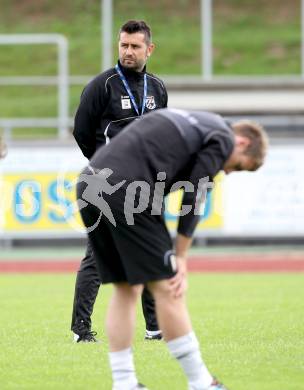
86,290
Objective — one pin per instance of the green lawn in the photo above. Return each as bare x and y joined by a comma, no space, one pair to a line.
261,37
250,38
250,328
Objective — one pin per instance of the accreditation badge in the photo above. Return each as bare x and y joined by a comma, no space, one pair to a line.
125,103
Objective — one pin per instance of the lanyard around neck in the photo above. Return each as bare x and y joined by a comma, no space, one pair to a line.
129,92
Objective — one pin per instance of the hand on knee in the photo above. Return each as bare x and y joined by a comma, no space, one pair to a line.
169,289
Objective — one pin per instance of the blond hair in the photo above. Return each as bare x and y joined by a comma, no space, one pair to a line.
257,135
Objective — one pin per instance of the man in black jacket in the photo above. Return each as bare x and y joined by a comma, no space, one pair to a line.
109,102
122,206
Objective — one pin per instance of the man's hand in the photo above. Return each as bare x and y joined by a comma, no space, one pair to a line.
178,284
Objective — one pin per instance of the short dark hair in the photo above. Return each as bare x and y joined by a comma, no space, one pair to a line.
134,26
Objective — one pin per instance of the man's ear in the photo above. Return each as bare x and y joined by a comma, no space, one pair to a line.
242,142
150,50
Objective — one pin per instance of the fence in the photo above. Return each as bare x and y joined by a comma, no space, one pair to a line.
62,80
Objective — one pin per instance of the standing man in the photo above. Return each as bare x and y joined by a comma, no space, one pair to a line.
134,249
109,102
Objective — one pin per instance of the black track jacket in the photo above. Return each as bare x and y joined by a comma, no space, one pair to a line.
187,146
105,107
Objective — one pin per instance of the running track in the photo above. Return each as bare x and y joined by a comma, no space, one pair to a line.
197,263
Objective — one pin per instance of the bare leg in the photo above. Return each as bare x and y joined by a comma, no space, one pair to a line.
120,322
172,313
174,321
120,326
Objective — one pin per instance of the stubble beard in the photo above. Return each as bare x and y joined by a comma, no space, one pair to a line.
136,66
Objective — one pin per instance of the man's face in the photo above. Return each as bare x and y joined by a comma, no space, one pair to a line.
134,51
239,160
239,163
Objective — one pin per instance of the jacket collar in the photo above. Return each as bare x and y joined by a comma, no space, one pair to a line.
131,73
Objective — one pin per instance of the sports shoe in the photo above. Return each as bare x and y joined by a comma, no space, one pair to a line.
216,385
149,336
139,386
87,336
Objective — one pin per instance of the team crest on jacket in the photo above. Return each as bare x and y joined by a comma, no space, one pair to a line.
150,102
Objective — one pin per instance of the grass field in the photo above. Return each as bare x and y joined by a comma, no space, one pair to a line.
250,327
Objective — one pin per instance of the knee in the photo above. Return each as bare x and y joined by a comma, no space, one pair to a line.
161,290
136,290
127,291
